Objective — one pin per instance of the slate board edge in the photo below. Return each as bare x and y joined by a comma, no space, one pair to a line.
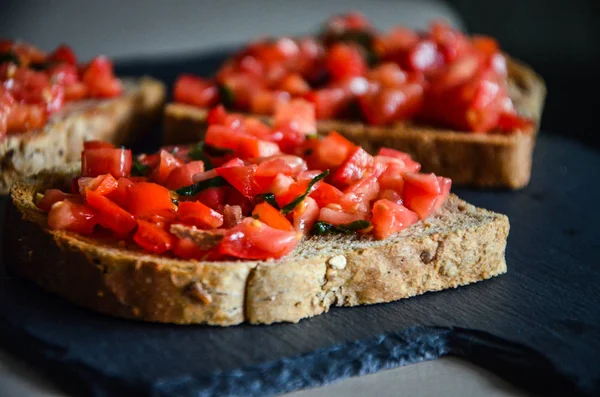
515,363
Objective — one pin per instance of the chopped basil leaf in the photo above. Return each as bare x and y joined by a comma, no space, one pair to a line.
321,228
226,96
291,206
139,169
269,198
10,56
197,187
198,153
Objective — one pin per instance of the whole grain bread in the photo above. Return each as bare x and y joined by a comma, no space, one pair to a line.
61,140
459,245
483,160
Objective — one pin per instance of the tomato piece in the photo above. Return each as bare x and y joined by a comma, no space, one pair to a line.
392,178
232,215
331,151
99,161
214,197
388,75
328,102
485,44
391,104
451,43
423,202
344,61
426,182
401,158
216,115
100,80
102,184
75,92
167,163
63,53
257,128
120,195
241,178
246,146
266,213
358,196
63,73
423,57
21,118
186,249
297,115
266,101
511,122
72,217
195,91
147,199
183,175
253,239
241,86
284,164
197,214
29,86
280,184
305,215
389,218
353,168
110,215
339,217
294,84
350,21
52,196
153,238
456,73
326,194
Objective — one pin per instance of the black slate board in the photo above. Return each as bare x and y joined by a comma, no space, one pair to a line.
538,326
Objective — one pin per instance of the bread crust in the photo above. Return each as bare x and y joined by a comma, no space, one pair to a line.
483,160
61,140
461,244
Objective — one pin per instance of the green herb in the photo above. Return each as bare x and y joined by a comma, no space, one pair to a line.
139,169
321,228
197,187
216,151
197,153
226,96
10,56
291,206
269,198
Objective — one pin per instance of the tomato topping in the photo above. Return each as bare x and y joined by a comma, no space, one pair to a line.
72,217
99,161
326,194
338,217
120,195
344,61
183,175
100,80
153,238
426,182
167,163
241,178
392,104
265,101
64,53
147,199
52,196
305,215
330,152
198,214
389,218
353,168
110,215
253,239
186,249
297,115
271,216
328,102
195,91
423,202
102,184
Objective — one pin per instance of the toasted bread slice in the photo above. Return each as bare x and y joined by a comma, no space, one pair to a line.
459,245
61,140
484,160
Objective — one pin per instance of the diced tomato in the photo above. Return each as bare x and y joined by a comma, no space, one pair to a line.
244,145
241,178
485,44
511,122
100,80
199,215
236,198
183,175
421,201
120,195
353,168
401,158
392,104
52,196
217,115
75,92
340,217
110,215
22,118
153,238
63,53
72,217
232,215
392,178
451,43
63,74
285,164
295,84
295,190
344,61
266,101
271,216
214,197
391,195
388,75
456,73
426,182
253,239
358,196
167,164
99,161
257,128
147,199
389,218
326,194
280,184
397,41
241,86
186,249
297,115
102,184
328,102
195,91
305,215
423,57
331,151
